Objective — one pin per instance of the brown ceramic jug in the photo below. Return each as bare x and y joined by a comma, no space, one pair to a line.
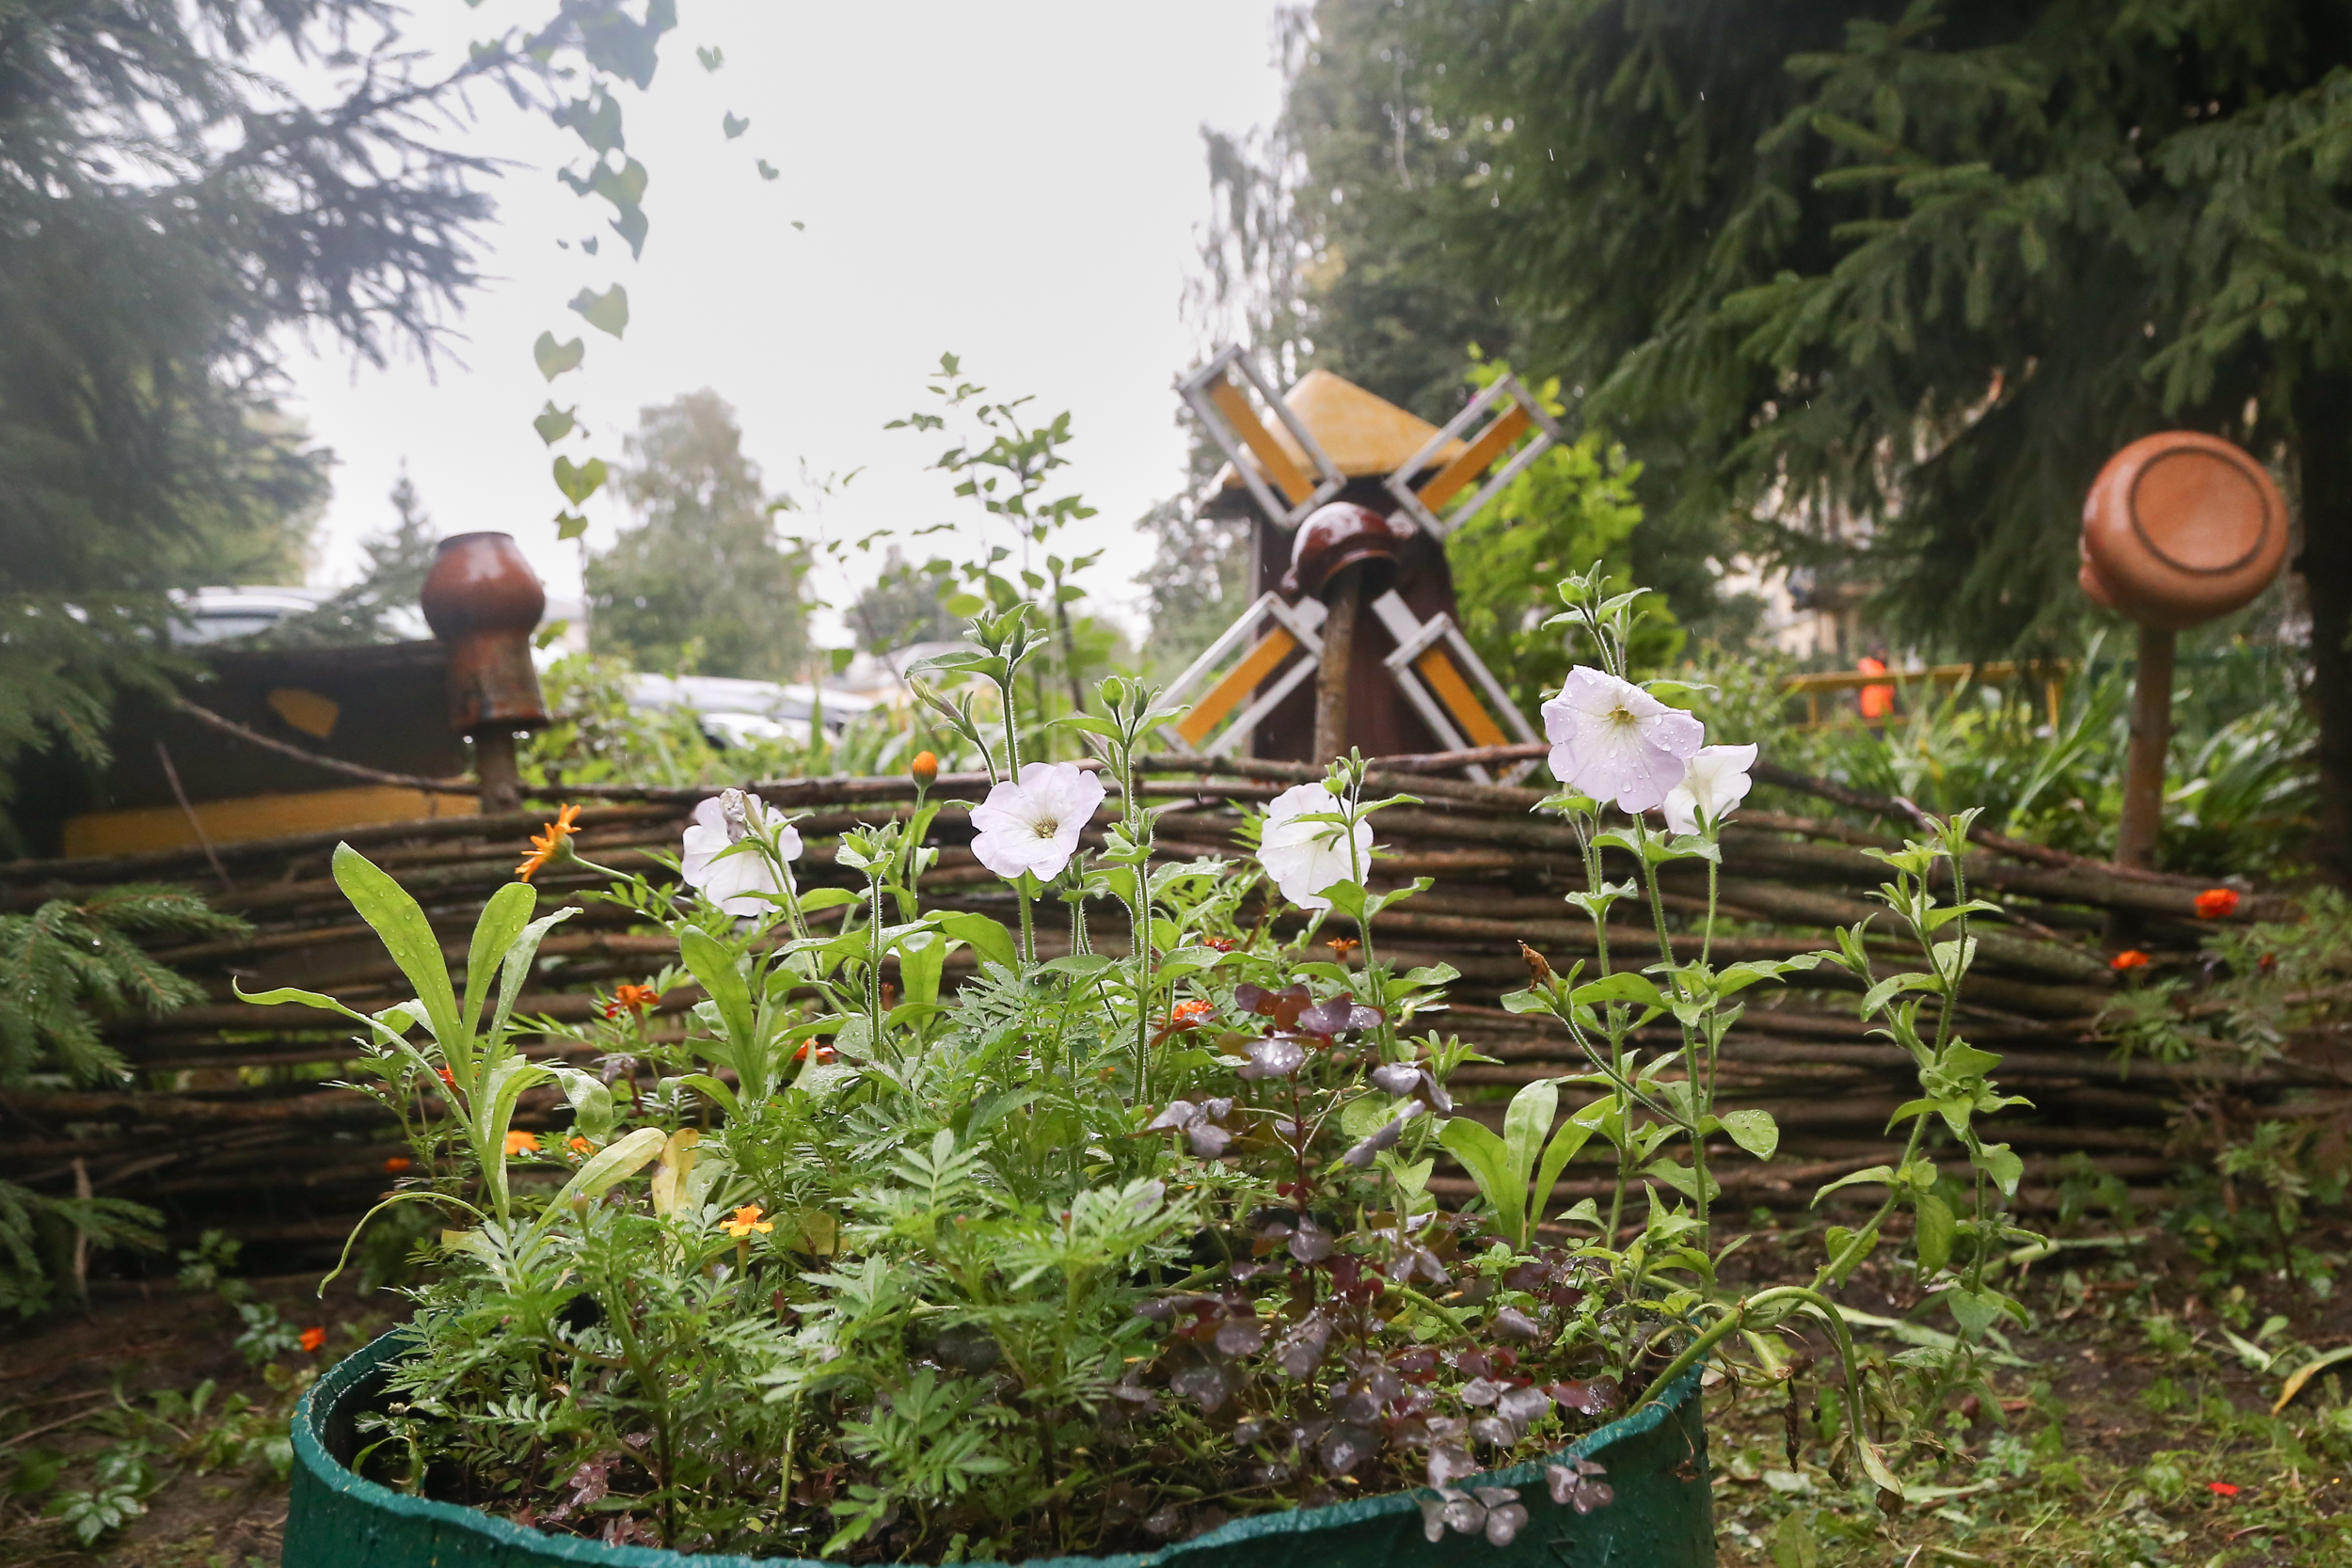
2180,528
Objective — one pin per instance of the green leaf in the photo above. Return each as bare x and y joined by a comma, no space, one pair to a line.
1626,985
1876,1173
2002,1164
554,424
515,968
591,1101
1557,1154
922,962
608,1166
1488,1160
987,937
570,525
1526,1123
816,898
606,312
715,969
1753,1130
408,936
1936,1229
768,171
1078,966
734,124
1974,1310
580,481
554,357
502,920
715,1088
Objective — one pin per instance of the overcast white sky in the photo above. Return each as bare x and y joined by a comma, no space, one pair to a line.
1017,183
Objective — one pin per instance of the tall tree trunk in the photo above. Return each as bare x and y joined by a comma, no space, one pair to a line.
2323,421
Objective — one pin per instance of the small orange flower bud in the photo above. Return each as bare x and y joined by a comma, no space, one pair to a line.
2131,957
397,1164
314,1340
925,768
581,1146
519,1142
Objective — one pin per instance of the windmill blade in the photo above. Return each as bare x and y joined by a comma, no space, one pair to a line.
1271,631
1507,411
1427,665
1224,409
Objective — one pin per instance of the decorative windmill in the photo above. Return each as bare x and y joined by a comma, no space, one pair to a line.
1354,497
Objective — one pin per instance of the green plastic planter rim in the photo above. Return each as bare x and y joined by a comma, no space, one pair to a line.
322,1468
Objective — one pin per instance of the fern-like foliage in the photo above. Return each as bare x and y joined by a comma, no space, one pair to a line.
68,964
64,969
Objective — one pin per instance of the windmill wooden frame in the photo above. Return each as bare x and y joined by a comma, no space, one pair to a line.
1224,411
1427,665
1505,426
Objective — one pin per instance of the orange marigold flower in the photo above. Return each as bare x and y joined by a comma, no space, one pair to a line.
519,1142
1217,944
746,1221
581,1146
2221,1489
314,1338
2131,957
636,996
824,1053
448,1077
2217,903
1188,1014
547,846
925,768
396,1164
1342,946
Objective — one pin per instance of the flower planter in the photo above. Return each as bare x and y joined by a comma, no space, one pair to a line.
1662,1516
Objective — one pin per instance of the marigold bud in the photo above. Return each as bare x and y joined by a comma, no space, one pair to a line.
925,768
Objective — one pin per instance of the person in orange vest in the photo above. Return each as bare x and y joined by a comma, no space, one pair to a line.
1877,702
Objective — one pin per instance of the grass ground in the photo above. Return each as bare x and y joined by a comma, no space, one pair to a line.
2133,1427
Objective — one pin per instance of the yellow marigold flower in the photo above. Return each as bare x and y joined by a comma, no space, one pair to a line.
521,1143
746,1221
545,847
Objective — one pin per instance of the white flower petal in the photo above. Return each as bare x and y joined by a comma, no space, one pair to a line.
1612,740
733,881
1031,824
1715,780
1306,858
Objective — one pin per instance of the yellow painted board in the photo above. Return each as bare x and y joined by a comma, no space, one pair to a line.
1454,692
1243,420
1474,460
142,828
1239,682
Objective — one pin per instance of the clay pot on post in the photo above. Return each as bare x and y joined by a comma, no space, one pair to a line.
1344,554
483,601
2179,528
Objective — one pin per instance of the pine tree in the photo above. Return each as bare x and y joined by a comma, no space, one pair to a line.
167,212
398,560
1928,266
64,968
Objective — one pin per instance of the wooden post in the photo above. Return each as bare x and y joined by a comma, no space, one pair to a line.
495,770
1342,597
2144,766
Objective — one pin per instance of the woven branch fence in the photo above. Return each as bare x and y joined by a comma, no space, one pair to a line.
229,1122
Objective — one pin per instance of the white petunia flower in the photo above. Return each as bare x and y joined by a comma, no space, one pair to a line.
1032,823
1306,858
1715,780
734,881
1612,740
